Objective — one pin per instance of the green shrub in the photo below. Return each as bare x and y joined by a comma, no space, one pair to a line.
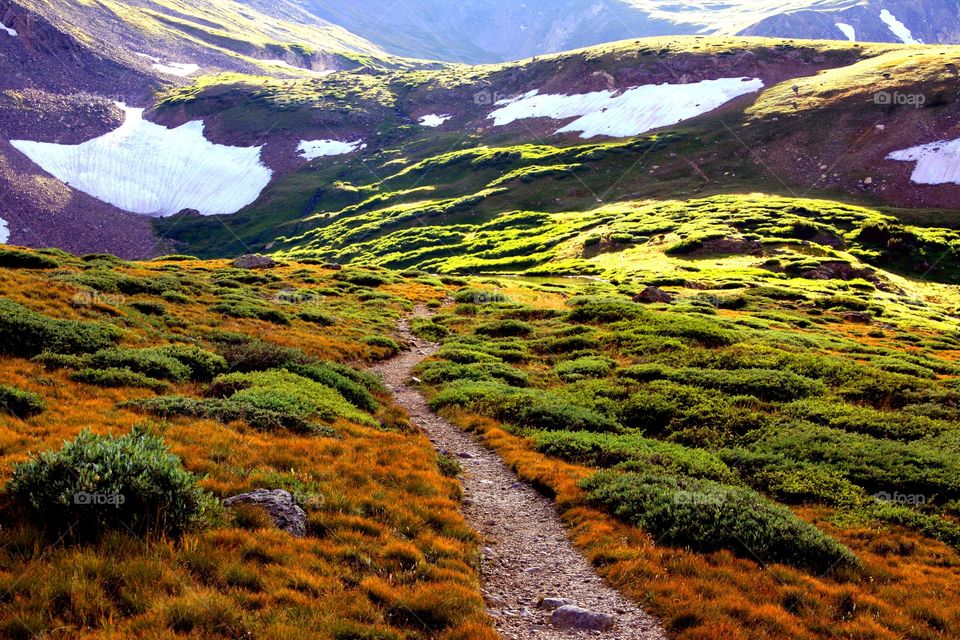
13,259
289,393
599,311
525,408
608,450
317,317
239,309
244,355
27,333
149,307
322,372
203,365
898,425
708,516
118,378
225,411
175,297
56,361
480,296
152,363
439,372
19,403
99,483
362,278
586,367
389,345
429,329
505,329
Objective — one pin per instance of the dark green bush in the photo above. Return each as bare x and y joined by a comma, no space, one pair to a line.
239,309
20,403
525,408
708,516
383,342
608,450
226,411
585,367
13,259
100,483
203,365
245,355
118,378
152,363
315,316
149,307
505,329
27,333
439,372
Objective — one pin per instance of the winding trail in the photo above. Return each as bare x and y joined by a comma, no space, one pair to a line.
526,554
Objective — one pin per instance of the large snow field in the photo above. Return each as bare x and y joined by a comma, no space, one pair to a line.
632,112
937,162
145,168
4,231
313,149
897,28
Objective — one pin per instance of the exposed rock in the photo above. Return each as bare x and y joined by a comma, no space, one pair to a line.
553,603
729,246
279,505
254,262
573,617
333,266
652,295
859,318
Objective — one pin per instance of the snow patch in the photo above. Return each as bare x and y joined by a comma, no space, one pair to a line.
897,28
434,120
287,65
629,113
9,30
937,162
313,149
4,232
848,31
145,168
179,69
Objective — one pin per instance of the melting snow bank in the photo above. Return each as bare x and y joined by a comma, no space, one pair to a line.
434,120
4,231
180,69
937,162
897,28
630,113
10,32
313,149
848,31
146,168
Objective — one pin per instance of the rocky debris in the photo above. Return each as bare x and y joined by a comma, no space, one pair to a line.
253,261
553,603
839,270
859,318
573,617
279,505
652,295
333,266
526,551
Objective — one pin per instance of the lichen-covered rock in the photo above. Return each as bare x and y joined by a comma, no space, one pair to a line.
573,617
254,262
653,295
279,505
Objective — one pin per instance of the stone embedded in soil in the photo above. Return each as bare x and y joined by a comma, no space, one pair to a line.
254,262
574,617
280,505
554,603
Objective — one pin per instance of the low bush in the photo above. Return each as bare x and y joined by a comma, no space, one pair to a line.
239,309
525,408
608,450
245,355
440,372
505,329
27,333
149,307
708,516
13,259
100,483
20,403
317,317
118,378
152,363
387,345
324,373
585,367
225,411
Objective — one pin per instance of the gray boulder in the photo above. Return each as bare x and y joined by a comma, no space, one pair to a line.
652,295
252,261
279,505
573,617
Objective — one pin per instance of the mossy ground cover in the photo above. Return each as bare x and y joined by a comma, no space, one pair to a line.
241,403
757,462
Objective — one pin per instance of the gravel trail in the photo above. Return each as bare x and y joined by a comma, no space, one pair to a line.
526,552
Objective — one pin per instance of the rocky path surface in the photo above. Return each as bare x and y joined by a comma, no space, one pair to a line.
527,555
